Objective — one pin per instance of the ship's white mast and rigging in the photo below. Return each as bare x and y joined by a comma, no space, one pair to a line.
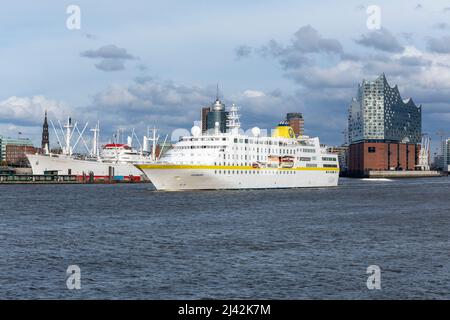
154,140
67,148
233,122
95,140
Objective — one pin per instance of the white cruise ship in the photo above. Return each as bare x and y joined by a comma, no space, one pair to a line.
231,160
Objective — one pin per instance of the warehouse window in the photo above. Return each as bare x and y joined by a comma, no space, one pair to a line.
371,149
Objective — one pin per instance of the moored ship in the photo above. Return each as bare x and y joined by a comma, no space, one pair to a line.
118,168
111,161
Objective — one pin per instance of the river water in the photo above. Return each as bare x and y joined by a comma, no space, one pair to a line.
131,242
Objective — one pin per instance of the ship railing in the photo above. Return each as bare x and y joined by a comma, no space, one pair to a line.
23,178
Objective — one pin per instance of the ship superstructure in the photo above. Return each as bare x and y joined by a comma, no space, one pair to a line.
232,160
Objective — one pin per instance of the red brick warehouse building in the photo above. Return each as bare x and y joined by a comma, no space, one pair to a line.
372,156
385,131
16,154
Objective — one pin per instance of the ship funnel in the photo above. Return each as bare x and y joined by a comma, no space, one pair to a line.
283,130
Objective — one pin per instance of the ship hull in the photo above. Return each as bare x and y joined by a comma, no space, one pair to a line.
174,178
68,166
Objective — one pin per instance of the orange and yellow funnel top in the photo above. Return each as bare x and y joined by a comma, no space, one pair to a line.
283,130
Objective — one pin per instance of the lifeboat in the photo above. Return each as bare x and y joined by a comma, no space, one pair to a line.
273,161
287,162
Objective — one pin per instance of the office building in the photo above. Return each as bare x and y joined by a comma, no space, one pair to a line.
297,123
17,143
446,155
217,114
204,116
384,131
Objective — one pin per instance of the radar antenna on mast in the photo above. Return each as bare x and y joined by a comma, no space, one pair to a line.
233,122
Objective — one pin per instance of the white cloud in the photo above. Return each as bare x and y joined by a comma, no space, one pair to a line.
115,96
342,75
30,110
254,93
26,115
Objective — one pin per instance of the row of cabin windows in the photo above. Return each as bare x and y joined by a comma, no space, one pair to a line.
264,172
288,150
270,143
250,157
284,150
198,147
247,164
236,140
234,161
203,139
237,157
246,157
258,158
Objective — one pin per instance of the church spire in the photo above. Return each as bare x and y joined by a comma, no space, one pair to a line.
45,136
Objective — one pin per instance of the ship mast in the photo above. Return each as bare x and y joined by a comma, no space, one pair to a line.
68,126
154,140
95,150
233,122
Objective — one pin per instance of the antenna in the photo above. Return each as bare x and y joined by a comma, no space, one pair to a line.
233,122
217,92
95,147
441,134
154,140
68,126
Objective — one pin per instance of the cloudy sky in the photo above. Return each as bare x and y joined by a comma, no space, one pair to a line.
134,63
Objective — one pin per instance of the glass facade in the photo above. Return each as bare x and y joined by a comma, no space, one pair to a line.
379,113
4,141
446,154
218,114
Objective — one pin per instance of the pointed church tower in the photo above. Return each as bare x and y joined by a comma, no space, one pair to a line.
45,137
